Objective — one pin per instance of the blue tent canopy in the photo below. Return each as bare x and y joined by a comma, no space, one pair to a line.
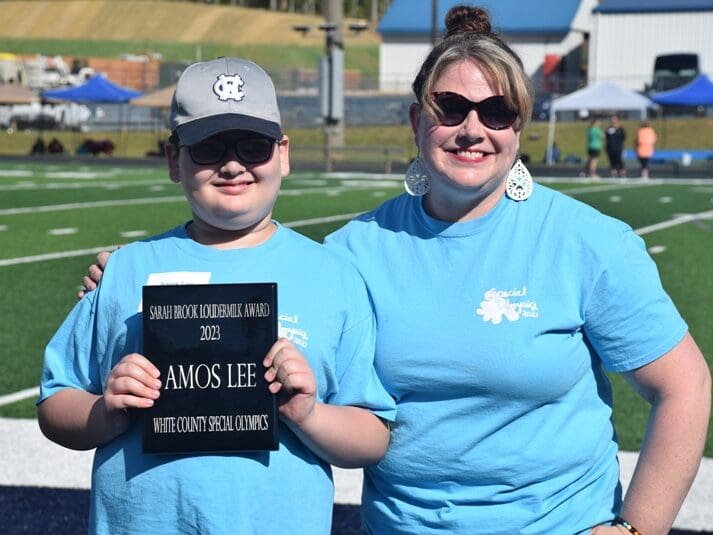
698,92
96,89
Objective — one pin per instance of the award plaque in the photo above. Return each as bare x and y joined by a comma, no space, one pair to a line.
209,341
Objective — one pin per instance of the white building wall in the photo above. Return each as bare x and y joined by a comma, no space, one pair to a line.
623,47
399,61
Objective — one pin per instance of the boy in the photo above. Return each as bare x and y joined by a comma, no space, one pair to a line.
229,155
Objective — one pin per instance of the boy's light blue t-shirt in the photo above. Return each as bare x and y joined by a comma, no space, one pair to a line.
493,336
323,308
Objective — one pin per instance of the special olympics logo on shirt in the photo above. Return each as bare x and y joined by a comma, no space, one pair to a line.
497,304
288,327
229,87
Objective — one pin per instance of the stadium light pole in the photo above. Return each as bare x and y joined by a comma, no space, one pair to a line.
332,76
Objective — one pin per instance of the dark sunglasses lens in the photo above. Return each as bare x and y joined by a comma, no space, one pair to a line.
207,152
254,149
453,108
495,114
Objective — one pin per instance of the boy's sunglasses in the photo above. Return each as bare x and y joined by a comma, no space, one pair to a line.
493,112
249,150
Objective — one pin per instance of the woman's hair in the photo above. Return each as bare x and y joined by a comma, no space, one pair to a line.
469,37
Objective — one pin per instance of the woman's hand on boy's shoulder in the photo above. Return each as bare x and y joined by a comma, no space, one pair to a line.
90,281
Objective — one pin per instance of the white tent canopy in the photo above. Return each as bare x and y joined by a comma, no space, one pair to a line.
602,96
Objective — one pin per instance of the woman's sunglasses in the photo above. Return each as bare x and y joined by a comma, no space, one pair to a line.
493,112
249,150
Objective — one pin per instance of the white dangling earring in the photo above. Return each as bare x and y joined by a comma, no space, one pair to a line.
417,180
518,185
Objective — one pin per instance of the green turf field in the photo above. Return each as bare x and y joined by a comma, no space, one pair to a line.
54,218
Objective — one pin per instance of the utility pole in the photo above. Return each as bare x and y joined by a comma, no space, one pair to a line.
332,76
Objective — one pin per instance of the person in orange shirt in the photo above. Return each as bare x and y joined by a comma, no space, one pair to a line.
645,143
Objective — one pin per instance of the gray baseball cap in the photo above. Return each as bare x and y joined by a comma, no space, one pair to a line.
224,94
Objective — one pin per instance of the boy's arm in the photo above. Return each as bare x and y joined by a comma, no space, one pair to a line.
80,420
345,436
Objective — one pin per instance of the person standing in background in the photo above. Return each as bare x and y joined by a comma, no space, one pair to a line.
615,137
595,141
645,146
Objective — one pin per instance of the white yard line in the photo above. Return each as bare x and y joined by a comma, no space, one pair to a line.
677,220
54,256
93,204
152,200
18,396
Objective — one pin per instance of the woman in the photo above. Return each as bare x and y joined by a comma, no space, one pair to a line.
595,141
498,306
645,144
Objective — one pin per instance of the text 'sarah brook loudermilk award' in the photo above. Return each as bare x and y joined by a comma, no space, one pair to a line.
209,341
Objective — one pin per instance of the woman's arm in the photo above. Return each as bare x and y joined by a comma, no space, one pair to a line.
678,387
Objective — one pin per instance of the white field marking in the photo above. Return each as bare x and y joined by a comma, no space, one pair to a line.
597,189
3,228
133,233
19,396
81,185
147,200
319,220
9,173
665,199
625,181
93,204
615,198
656,249
95,250
54,256
62,231
677,220
372,183
86,175
307,182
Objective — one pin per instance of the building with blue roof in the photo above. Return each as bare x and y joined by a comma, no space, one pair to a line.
549,35
564,44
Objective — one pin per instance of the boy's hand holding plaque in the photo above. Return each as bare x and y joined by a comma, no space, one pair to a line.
209,341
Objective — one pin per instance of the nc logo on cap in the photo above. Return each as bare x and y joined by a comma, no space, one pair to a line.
229,87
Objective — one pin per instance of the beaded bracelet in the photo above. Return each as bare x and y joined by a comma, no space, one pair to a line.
619,521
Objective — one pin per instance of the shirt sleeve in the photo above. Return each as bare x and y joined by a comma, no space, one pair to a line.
358,383
630,319
68,361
